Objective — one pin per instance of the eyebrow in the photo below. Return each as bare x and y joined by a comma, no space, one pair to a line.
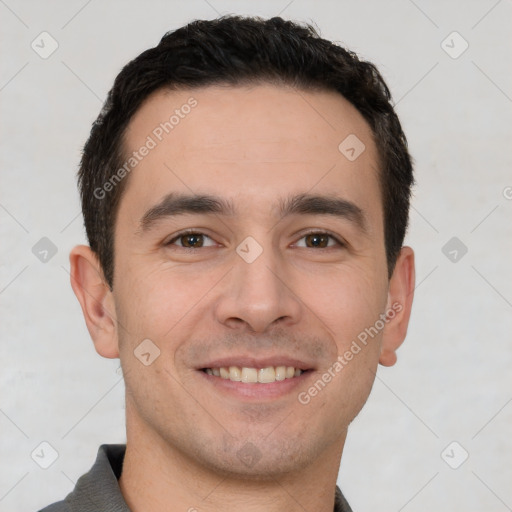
175,204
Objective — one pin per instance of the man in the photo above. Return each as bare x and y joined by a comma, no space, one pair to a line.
245,192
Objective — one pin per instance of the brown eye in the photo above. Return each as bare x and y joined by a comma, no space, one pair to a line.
320,240
317,240
190,240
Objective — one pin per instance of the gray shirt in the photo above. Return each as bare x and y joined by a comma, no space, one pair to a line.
98,490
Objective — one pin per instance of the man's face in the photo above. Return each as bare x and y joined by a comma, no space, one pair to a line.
251,287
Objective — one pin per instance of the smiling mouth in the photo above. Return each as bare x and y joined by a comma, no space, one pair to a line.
248,375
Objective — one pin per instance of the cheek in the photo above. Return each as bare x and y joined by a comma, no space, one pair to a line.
157,302
355,301
348,301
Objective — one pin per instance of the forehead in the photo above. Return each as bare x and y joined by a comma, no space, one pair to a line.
249,142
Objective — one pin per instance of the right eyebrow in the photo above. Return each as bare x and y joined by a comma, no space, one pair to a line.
176,203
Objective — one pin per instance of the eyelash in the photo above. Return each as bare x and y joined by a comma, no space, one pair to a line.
339,242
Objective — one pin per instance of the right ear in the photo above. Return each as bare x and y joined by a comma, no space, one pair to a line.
96,300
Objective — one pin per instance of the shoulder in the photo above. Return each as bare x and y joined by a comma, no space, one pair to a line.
60,506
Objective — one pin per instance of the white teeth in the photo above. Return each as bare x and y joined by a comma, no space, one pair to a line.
281,372
249,375
235,373
267,375
290,372
252,375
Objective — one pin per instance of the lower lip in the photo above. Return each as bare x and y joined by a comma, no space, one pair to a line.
256,390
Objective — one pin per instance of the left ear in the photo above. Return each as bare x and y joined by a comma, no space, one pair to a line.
398,308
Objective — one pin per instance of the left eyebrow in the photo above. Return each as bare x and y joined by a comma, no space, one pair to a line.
308,204
175,204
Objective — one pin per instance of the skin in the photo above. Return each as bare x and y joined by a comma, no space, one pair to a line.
254,146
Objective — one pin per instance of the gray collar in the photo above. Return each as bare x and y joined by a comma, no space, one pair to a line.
98,490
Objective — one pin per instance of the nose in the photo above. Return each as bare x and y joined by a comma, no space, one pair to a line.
258,295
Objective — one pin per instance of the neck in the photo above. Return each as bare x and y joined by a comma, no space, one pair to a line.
159,477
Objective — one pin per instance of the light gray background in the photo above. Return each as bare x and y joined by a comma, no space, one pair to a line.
452,381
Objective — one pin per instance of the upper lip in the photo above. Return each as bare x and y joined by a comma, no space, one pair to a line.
257,362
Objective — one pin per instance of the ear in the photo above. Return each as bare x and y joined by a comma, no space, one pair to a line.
399,304
96,300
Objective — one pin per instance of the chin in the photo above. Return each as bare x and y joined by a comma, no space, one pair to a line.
265,460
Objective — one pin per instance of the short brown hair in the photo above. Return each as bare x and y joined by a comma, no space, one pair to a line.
236,50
